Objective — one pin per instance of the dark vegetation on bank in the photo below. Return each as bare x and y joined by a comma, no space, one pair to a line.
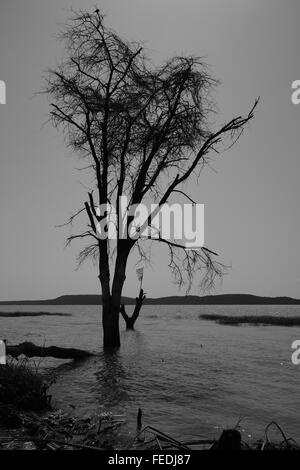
22,388
225,299
34,314
252,319
28,421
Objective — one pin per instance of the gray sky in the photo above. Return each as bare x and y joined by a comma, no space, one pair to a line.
251,199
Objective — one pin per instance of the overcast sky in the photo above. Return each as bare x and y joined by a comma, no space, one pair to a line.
251,195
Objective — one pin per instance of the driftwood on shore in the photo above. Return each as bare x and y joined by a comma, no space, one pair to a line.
31,350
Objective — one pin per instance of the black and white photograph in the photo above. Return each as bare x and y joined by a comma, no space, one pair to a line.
149,208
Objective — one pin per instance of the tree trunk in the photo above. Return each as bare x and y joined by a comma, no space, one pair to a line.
111,302
130,321
110,323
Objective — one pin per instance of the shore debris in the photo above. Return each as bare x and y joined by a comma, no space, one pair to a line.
139,418
59,431
150,438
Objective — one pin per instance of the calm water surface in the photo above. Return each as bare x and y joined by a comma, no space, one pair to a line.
190,377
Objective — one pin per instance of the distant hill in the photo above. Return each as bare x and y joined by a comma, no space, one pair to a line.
224,299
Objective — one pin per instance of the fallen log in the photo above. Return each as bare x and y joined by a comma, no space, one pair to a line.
31,350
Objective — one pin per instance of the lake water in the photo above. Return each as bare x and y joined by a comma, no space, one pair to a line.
191,377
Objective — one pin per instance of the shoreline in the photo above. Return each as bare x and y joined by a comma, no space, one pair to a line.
24,427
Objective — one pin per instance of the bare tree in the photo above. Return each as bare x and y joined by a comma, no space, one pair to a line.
143,131
130,320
